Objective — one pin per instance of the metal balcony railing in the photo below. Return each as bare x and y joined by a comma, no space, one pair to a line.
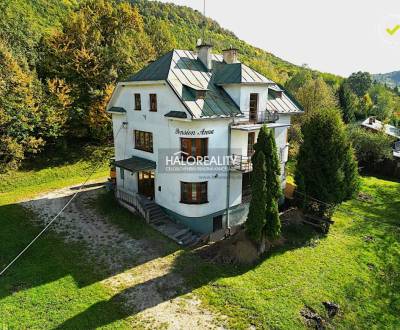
241,163
267,117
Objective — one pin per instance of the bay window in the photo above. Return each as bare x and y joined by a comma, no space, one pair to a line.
194,192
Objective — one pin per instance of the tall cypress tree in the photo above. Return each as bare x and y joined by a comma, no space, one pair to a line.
269,185
272,181
256,218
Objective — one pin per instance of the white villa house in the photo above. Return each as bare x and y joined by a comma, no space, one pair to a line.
175,124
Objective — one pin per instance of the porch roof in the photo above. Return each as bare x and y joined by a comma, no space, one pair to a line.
136,164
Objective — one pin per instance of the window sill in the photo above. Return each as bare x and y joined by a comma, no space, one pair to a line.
148,151
190,203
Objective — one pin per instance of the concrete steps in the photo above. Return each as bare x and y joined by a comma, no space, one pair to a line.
164,224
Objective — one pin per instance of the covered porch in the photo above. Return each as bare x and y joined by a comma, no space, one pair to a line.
143,171
140,198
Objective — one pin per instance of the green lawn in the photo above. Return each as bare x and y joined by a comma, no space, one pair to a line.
357,266
51,283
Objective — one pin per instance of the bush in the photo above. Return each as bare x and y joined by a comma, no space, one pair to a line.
371,147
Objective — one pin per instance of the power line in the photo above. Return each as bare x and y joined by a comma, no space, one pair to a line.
55,218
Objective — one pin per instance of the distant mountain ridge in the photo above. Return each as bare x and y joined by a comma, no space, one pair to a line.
391,79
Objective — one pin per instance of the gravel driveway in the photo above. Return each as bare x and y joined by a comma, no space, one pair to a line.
137,270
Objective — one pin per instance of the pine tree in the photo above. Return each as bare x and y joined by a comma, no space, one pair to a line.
348,102
256,217
326,167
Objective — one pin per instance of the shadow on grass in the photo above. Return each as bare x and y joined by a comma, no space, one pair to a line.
194,271
51,259
377,225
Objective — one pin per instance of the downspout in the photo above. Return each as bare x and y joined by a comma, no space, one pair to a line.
228,179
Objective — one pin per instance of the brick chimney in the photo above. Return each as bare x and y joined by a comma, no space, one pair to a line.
204,54
230,55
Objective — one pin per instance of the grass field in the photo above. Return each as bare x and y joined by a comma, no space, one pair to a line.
52,282
357,266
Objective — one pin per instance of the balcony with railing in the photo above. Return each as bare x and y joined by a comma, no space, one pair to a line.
243,163
267,117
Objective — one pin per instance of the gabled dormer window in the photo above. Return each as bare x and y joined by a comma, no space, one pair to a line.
153,102
274,94
201,94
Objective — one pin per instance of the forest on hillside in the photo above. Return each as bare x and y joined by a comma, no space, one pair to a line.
60,60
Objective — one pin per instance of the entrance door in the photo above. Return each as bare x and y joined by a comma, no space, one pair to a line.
146,184
253,107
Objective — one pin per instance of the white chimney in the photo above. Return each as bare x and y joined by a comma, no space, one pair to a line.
230,55
204,54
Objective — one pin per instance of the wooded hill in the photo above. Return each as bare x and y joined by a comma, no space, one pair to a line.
60,60
391,79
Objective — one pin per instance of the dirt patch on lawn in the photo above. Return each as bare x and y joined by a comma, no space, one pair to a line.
237,249
139,271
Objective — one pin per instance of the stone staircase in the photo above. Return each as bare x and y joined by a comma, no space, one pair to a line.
159,220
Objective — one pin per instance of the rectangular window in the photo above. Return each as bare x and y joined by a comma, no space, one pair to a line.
138,102
196,147
153,102
143,141
250,143
194,192
122,173
253,106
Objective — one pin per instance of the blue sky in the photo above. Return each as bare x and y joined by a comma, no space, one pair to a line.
340,36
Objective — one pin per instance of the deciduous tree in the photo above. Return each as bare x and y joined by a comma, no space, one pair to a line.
316,94
360,83
100,43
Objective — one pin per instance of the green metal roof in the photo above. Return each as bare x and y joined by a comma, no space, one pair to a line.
238,73
157,70
185,74
136,164
186,70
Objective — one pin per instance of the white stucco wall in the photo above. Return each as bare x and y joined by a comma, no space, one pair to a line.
165,136
241,95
